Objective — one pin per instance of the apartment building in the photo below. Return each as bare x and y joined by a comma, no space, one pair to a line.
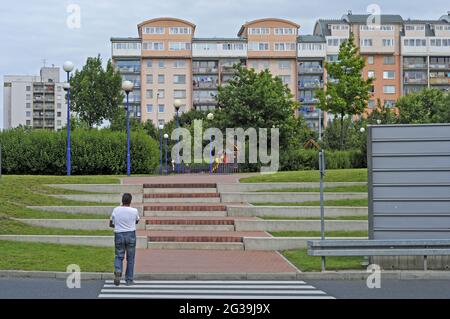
166,61
34,101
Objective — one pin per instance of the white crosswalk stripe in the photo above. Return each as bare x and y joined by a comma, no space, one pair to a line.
212,289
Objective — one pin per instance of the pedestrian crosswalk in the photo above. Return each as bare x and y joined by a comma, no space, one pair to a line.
212,289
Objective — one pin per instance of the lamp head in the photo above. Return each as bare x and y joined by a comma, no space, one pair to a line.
161,127
166,136
177,104
378,122
68,66
127,86
362,130
210,116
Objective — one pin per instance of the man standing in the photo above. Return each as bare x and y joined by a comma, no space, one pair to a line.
124,220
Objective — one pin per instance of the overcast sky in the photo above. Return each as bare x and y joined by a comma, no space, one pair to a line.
31,31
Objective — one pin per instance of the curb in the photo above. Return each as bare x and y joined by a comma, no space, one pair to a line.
329,275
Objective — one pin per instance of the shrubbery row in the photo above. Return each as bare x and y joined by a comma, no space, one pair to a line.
94,152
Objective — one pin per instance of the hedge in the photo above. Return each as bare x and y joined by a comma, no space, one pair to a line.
293,160
94,152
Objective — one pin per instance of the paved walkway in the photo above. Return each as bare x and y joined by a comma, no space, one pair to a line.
210,261
186,178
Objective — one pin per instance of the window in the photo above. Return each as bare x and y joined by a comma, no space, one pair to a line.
285,31
389,60
28,122
28,97
58,114
332,58
288,46
233,46
149,94
161,64
179,94
371,74
161,93
28,114
179,79
389,75
153,46
259,31
284,65
58,122
366,42
161,108
28,88
179,46
370,60
149,64
389,103
161,122
161,79
179,64
389,89
388,42
180,30
28,105
258,46
335,42
372,89
58,106
387,28
149,78
371,104
149,108
154,30
286,79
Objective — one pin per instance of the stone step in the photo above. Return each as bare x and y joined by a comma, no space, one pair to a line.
190,224
183,195
192,246
196,239
182,198
185,208
181,185
178,190
177,213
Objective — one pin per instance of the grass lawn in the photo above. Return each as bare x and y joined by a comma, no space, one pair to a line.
330,203
318,234
307,263
53,257
341,175
315,218
17,192
340,189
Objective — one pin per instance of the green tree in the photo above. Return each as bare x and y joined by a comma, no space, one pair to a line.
427,106
258,100
346,92
95,92
383,114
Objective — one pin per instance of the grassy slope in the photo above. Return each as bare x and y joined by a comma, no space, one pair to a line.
347,175
337,202
340,189
53,257
314,218
318,234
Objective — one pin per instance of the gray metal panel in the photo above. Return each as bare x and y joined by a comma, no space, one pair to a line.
409,181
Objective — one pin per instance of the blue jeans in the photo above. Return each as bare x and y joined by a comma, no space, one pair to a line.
125,242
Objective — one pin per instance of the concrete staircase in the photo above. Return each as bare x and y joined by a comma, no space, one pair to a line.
189,216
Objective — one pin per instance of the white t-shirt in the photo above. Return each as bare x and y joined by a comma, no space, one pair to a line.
124,219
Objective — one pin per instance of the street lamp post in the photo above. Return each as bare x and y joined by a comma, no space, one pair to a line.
68,67
177,104
161,127
210,117
166,138
128,86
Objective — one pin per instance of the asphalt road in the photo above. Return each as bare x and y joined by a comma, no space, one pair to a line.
26,288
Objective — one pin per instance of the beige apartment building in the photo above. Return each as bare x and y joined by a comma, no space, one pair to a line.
167,62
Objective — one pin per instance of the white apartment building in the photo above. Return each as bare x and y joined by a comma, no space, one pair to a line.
34,101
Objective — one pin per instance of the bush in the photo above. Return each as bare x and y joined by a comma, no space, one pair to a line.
94,152
300,159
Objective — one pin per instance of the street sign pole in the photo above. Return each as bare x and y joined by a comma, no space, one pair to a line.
322,208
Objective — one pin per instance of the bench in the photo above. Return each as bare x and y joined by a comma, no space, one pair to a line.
369,248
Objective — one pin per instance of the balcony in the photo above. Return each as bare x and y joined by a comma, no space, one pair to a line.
440,81
443,66
205,100
415,66
415,81
124,69
310,84
205,85
206,70
308,100
311,70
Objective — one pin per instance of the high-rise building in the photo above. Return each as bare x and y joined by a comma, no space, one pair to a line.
166,62
34,101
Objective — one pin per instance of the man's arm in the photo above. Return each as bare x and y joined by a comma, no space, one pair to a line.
111,221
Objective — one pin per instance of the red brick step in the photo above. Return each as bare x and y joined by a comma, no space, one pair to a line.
182,185
196,239
183,195
190,222
186,208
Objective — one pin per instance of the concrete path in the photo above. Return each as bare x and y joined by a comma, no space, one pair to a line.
186,178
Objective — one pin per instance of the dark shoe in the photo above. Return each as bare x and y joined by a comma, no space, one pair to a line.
130,282
117,277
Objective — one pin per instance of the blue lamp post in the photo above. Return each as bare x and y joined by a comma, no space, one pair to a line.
210,117
68,67
161,127
166,137
128,86
177,104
